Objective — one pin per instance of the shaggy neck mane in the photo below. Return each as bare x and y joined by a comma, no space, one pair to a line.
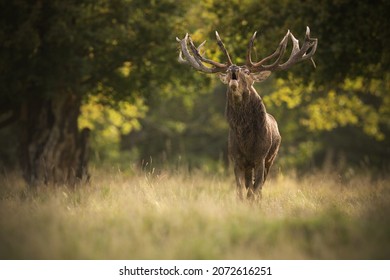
249,111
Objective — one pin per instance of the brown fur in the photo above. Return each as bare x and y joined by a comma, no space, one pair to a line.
254,137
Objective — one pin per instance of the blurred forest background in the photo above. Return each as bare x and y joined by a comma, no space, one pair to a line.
99,81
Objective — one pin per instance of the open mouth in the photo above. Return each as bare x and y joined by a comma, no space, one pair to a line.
234,76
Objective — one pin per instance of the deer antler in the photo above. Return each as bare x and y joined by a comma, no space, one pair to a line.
297,54
196,59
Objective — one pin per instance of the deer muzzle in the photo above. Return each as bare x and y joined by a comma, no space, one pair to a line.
233,85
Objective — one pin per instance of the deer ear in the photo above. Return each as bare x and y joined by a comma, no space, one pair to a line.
259,77
224,78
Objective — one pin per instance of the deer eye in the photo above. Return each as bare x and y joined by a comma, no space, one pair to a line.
246,71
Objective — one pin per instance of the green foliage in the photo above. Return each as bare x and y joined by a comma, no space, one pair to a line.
125,51
108,124
185,125
76,45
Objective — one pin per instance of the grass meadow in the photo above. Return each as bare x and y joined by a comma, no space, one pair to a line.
182,215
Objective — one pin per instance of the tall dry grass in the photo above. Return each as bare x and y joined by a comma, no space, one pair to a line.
177,215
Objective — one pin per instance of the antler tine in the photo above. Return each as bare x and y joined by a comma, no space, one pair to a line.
279,53
249,62
297,54
199,58
223,49
184,51
300,54
196,59
259,66
314,48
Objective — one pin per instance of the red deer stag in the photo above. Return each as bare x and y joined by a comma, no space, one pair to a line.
254,137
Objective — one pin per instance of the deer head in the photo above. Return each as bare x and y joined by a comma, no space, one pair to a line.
238,78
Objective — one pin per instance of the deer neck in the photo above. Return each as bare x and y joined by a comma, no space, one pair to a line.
245,109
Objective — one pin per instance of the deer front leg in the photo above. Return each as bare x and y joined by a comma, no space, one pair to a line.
239,174
249,178
259,181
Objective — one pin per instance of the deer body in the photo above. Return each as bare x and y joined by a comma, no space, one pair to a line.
254,137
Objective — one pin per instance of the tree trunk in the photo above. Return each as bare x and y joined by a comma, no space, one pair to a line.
53,150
